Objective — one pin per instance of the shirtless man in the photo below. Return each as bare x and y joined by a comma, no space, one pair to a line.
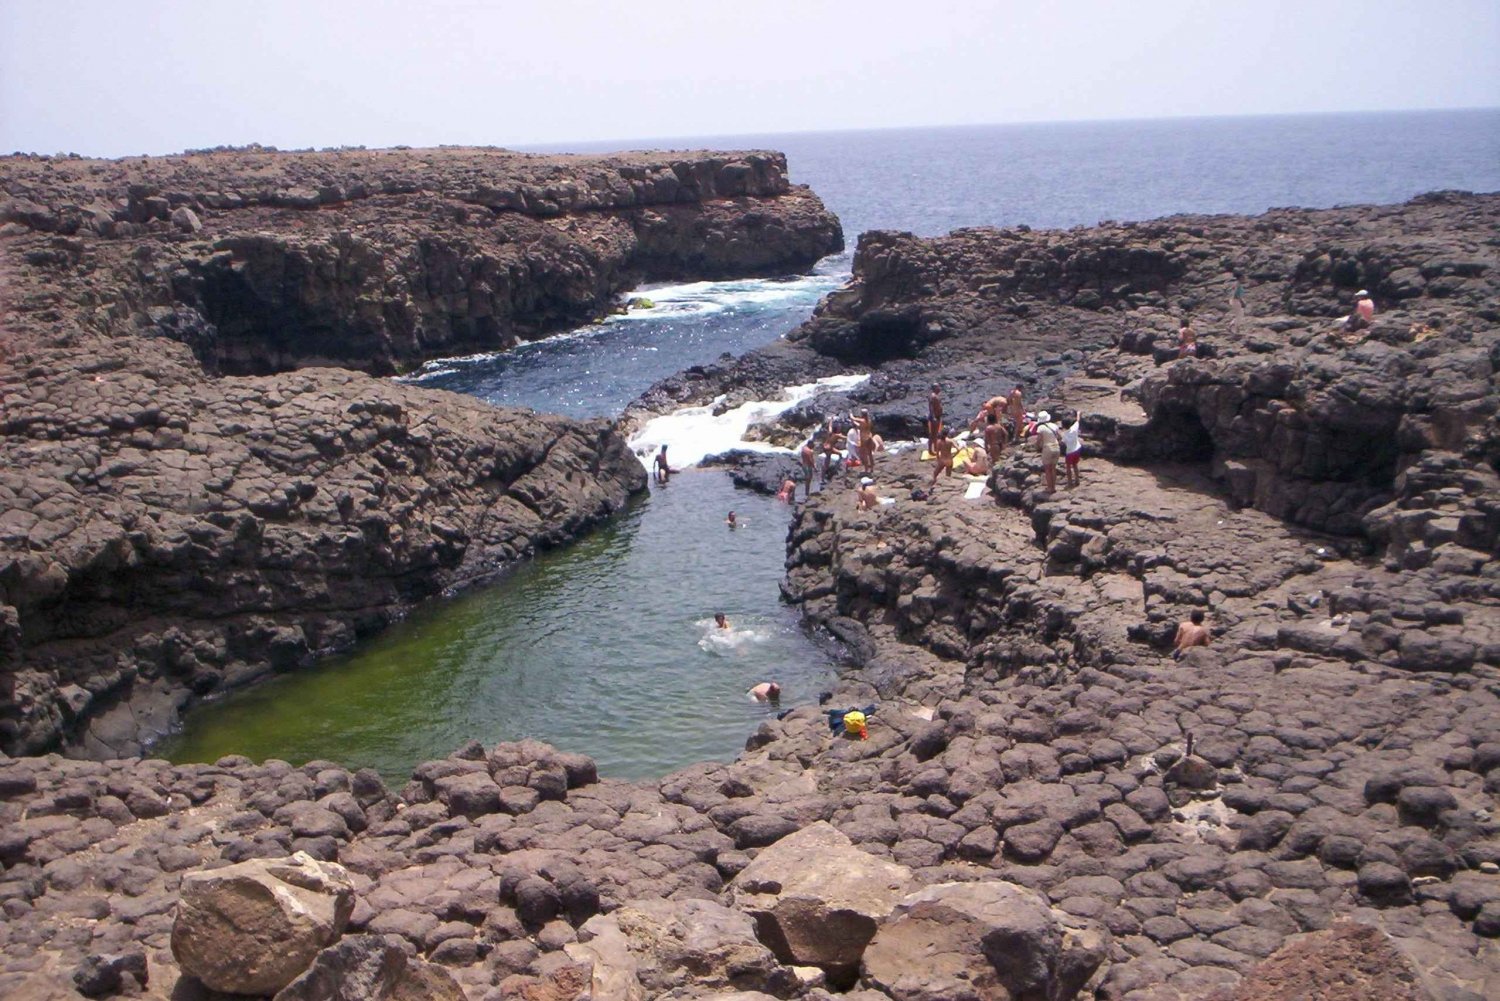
809,466
942,461
833,444
1187,340
663,471
865,499
1363,315
766,691
934,416
730,521
1017,407
1190,634
995,438
994,406
866,439
720,621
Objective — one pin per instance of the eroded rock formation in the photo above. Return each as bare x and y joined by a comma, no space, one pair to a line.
1077,810
168,528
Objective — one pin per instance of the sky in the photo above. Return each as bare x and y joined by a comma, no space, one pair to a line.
125,77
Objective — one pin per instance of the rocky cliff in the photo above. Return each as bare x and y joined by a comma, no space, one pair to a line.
186,502
1048,805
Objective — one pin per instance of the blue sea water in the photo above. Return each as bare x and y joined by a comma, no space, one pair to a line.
603,647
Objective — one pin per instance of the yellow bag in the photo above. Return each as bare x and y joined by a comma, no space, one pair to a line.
854,725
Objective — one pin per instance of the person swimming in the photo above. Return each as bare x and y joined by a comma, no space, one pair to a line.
766,691
720,620
730,521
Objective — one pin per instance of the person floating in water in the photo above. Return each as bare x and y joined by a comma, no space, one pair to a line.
663,470
730,521
766,691
720,620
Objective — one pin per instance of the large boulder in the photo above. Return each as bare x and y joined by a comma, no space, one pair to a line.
816,899
988,941
650,947
1348,962
371,968
252,928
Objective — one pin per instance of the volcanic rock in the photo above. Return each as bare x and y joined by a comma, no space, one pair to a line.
254,927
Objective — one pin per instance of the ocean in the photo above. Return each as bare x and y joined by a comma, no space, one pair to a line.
605,647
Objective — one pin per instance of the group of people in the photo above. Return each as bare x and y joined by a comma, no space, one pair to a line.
1001,420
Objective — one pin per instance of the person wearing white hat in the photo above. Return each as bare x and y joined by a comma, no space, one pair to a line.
1049,437
1364,312
865,498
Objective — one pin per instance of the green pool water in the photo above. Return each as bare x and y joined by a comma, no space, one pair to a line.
604,647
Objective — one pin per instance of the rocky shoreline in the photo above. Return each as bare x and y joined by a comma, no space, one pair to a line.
1048,804
188,503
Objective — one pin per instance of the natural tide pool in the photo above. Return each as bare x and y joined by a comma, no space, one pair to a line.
597,648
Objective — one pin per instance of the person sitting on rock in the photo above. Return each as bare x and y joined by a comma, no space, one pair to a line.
1187,340
977,463
766,691
663,470
1190,634
1363,315
865,498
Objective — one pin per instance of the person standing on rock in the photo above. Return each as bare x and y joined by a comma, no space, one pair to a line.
866,428
934,416
663,470
942,461
1049,438
1190,634
995,436
809,466
832,443
1017,406
1072,442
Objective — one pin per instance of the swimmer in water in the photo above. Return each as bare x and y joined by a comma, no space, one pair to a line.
730,521
788,491
766,691
720,620
663,471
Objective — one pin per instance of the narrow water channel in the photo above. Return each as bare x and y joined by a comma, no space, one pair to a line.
605,647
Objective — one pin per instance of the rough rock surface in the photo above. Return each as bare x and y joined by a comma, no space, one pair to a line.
254,927
817,900
1031,725
169,528
981,942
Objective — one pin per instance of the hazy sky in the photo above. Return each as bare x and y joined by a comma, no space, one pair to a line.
117,77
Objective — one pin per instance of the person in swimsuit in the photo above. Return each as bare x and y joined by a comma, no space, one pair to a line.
866,428
1190,634
1072,442
934,416
809,466
663,471
942,462
1187,340
1017,406
995,436
1049,437
766,691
